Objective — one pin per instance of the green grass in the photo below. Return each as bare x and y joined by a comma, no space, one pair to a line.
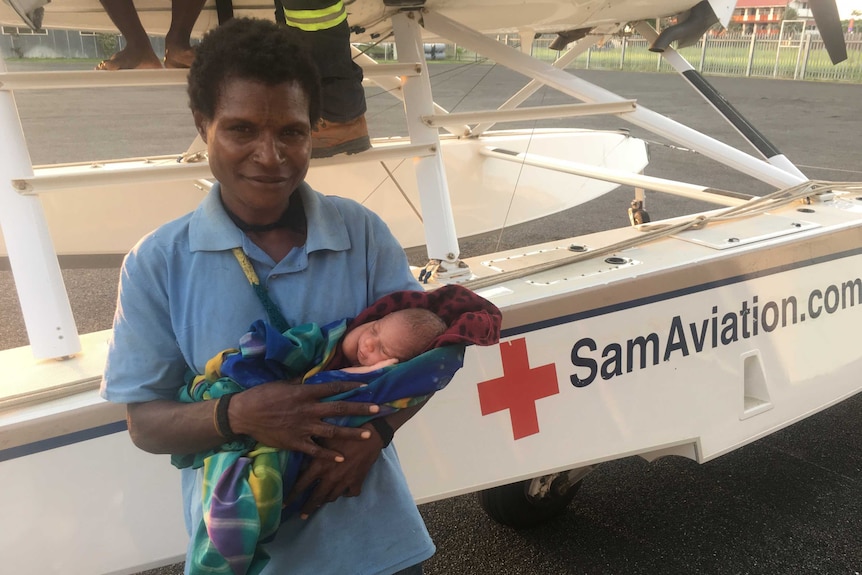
730,57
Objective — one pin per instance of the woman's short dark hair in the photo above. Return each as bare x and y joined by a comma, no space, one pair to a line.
250,49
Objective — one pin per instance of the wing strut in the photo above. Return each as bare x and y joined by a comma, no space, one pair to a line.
576,87
745,128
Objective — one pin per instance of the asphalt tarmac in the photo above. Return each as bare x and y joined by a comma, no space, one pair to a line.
789,503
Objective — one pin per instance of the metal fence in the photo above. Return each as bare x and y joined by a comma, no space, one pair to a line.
21,42
800,57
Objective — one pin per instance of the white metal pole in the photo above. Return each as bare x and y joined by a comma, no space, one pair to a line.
38,280
624,44
533,86
750,55
392,85
777,51
526,36
587,92
682,66
798,60
638,181
534,113
440,236
805,58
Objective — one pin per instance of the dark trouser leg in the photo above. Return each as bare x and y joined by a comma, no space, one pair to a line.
341,78
321,26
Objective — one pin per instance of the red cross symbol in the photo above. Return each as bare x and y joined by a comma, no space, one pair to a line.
518,389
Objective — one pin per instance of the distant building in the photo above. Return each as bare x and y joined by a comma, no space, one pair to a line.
761,17
803,10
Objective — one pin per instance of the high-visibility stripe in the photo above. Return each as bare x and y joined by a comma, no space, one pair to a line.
311,20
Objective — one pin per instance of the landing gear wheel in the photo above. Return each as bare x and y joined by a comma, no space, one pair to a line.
640,217
513,506
637,214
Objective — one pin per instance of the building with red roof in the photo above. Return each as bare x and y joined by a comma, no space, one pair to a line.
760,16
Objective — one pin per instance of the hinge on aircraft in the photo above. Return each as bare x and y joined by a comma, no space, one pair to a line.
445,271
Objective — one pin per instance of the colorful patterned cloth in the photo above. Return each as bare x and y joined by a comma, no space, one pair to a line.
245,482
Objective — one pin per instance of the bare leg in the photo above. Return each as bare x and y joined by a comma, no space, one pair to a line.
138,52
178,50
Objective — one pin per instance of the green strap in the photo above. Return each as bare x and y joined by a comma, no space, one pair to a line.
275,318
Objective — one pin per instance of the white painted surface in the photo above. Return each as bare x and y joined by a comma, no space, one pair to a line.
696,398
486,15
116,508
100,506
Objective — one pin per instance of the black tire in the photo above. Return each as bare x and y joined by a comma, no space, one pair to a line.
640,217
511,506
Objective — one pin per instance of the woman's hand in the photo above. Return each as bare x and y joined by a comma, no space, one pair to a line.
287,416
332,480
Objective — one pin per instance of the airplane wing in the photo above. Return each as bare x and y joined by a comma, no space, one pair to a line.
489,16
370,18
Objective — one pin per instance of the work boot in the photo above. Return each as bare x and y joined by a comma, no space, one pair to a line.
331,138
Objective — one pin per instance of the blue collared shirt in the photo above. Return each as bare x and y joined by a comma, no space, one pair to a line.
183,298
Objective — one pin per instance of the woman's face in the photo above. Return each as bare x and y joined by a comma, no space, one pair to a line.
259,145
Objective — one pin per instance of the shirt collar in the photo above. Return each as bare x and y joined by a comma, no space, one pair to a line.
210,228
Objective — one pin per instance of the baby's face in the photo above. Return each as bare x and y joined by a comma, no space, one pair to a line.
377,341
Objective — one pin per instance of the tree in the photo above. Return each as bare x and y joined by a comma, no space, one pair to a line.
794,27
